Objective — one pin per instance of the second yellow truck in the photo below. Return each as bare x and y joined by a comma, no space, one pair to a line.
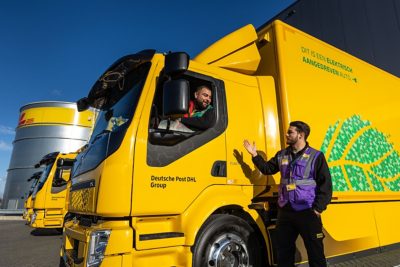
144,196
49,200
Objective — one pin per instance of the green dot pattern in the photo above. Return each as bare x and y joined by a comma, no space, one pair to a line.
328,137
394,185
357,178
349,128
375,182
389,167
338,183
370,147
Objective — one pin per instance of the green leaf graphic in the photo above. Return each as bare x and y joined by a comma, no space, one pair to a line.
360,157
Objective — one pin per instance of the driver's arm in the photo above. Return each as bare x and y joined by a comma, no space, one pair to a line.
201,123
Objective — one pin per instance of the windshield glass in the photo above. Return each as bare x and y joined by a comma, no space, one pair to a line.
122,104
115,116
42,179
34,183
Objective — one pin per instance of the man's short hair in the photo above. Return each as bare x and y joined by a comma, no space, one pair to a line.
198,88
301,127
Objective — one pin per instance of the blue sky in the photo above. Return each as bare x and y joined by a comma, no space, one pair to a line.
55,50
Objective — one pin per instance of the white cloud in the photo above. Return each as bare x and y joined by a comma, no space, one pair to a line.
5,146
6,130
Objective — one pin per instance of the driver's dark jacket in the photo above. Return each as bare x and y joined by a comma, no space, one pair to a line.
200,123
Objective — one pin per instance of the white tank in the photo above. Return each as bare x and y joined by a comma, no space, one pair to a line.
43,127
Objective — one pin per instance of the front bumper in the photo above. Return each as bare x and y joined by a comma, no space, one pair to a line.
27,215
120,249
76,238
47,219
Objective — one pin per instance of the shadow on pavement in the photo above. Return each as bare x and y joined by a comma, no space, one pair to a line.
46,232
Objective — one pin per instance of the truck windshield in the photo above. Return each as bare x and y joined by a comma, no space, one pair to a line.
117,115
117,107
33,186
42,179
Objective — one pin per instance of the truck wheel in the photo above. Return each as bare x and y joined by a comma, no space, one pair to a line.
62,263
227,240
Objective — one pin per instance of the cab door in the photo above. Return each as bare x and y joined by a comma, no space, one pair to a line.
168,176
58,187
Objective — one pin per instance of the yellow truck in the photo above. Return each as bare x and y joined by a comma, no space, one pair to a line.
28,202
50,197
142,195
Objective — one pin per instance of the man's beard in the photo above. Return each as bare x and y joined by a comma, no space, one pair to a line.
292,142
199,105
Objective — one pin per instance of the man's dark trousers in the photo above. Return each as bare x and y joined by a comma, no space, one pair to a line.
290,224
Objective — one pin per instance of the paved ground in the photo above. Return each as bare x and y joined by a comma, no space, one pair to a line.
22,246
389,258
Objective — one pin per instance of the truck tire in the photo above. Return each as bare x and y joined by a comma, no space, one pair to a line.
226,240
62,263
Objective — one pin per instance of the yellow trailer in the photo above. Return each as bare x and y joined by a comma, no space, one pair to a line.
145,196
50,196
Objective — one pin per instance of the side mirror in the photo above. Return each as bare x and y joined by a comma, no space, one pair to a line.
82,104
176,63
175,97
65,174
62,175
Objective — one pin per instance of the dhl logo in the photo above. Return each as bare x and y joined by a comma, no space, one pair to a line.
23,121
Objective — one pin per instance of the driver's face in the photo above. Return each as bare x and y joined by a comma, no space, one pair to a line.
203,97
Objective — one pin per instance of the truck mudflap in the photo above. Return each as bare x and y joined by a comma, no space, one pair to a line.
108,243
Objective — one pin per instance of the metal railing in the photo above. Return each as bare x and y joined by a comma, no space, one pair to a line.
9,212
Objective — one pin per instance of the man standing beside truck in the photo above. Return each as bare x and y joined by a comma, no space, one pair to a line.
305,190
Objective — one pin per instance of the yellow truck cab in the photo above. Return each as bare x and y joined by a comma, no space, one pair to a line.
49,198
28,202
145,195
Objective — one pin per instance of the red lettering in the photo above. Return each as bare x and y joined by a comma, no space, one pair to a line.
21,119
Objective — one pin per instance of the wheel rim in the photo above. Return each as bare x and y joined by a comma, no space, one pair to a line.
228,250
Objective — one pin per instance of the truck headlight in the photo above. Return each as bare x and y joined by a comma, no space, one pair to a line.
97,246
33,218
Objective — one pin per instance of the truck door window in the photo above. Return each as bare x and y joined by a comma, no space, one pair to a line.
171,137
61,176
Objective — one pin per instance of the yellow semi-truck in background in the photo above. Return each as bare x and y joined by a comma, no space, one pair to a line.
145,196
49,200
